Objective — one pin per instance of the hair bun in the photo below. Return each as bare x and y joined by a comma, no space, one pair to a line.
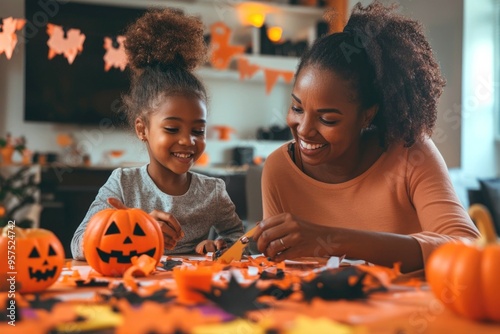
165,37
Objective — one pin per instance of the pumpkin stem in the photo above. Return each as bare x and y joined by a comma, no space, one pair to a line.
116,203
16,231
482,218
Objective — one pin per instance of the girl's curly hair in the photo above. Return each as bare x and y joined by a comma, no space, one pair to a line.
388,61
163,48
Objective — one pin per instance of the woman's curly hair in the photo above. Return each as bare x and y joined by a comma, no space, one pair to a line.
389,62
163,47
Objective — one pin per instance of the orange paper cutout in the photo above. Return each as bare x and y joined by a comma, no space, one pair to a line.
158,318
272,77
69,46
115,57
222,51
191,279
8,37
143,265
246,69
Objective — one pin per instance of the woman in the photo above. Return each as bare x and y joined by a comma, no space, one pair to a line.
362,177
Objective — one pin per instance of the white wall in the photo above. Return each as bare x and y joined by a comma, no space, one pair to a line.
481,155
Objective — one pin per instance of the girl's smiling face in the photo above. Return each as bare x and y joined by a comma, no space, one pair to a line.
325,118
175,133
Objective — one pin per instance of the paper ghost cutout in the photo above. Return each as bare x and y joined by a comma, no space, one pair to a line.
69,46
115,57
8,37
222,51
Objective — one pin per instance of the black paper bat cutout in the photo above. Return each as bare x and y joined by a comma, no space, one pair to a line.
236,299
335,284
170,264
121,292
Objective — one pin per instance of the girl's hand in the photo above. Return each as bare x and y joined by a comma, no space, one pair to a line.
170,227
210,246
285,236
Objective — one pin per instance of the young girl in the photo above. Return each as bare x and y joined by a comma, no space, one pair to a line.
167,107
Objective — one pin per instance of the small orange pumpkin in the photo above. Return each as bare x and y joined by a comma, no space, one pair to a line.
113,236
465,276
32,259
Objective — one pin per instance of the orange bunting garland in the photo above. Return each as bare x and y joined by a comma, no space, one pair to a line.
272,77
246,69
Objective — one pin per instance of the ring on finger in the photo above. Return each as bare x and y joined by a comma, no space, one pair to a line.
282,243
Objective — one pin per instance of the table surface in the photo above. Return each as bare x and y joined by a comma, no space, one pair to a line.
404,308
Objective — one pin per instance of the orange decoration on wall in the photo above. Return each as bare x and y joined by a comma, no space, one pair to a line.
222,51
69,46
246,69
272,77
8,37
115,57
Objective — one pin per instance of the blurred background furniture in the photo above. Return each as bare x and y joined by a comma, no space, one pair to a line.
488,194
20,195
253,189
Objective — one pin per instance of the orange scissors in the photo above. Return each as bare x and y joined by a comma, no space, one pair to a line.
235,252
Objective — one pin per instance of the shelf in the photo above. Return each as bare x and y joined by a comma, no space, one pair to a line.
273,62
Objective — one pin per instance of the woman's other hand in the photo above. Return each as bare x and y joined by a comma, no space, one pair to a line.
285,236
170,227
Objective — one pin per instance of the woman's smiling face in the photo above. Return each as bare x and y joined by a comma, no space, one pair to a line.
325,117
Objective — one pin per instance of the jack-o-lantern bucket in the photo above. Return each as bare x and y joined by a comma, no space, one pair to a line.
113,236
32,259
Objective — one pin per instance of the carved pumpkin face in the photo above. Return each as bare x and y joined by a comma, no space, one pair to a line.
39,258
114,236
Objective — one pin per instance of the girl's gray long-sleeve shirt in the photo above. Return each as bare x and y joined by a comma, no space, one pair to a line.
205,204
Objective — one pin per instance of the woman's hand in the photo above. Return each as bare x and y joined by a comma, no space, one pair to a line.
210,246
285,236
170,227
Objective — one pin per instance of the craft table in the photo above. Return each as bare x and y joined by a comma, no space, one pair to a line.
403,308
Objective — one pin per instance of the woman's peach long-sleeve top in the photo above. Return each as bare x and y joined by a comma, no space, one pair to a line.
406,191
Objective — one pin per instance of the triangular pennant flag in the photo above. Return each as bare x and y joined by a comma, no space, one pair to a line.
115,57
271,77
8,37
69,46
287,76
246,69
222,51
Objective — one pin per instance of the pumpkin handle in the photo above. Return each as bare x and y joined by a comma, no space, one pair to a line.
116,203
482,218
